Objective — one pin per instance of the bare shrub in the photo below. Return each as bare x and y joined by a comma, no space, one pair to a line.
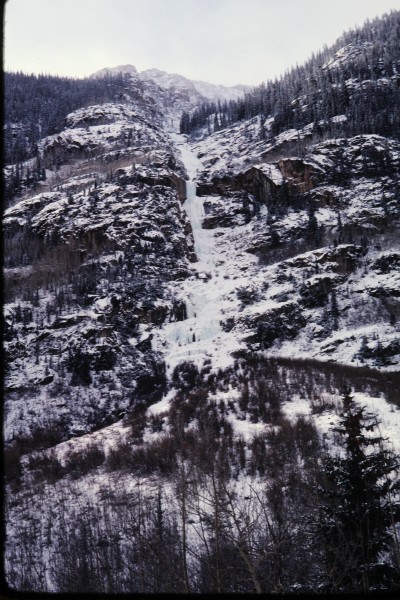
157,457
12,463
120,457
81,462
46,467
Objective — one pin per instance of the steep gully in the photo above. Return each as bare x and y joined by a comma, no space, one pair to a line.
200,335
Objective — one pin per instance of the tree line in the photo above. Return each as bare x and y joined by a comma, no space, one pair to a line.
35,106
364,88
312,520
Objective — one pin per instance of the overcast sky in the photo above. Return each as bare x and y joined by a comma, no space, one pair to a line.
220,41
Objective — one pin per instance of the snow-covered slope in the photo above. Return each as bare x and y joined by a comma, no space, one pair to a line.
166,80
289,247
173,92
336,191
90,244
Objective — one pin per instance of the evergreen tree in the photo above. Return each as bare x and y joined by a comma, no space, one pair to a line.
360,506
334,311
184,126
262,131
312,94
313,229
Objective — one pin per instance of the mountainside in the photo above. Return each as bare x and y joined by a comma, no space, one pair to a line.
351,88
187,318
37,106
193,91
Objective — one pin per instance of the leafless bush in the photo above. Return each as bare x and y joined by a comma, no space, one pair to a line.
12,463
46,467
81,462
120,457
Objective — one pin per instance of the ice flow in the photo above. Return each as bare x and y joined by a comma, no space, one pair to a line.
198,336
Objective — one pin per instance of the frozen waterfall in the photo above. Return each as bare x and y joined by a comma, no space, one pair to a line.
194,338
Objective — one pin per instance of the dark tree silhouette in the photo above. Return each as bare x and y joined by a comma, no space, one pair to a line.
359,512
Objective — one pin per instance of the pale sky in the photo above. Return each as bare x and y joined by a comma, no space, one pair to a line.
220,41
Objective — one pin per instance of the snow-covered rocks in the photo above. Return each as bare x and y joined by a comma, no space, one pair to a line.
166,95
349,52
101,114
93,131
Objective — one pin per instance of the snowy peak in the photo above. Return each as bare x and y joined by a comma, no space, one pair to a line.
110,71
169,81
168,93
212,91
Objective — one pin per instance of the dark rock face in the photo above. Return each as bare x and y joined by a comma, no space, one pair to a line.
303,175
335,162
316,293
103,249
231,210
258,183
217,186
390,261
283,322
342,259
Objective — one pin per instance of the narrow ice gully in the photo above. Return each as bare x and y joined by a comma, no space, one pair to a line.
200,335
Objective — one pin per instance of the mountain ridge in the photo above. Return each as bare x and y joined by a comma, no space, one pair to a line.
207,90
